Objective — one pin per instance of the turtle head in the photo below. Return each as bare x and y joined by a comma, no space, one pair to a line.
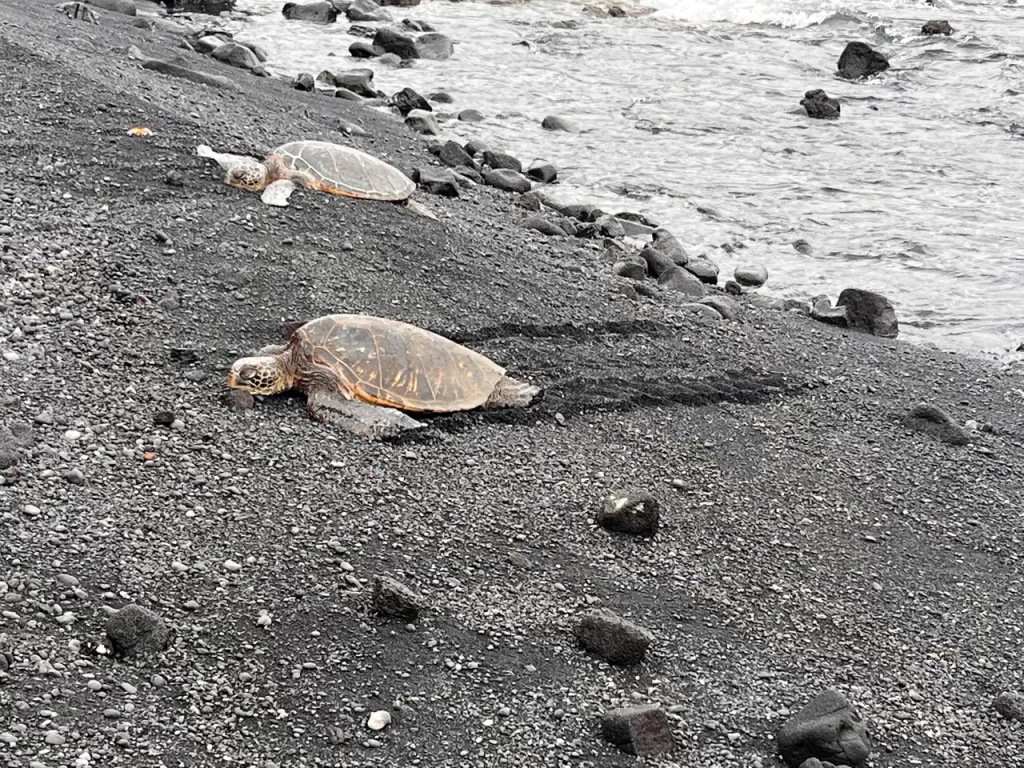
250,175
259,375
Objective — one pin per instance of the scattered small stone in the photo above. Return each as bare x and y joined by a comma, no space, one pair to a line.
392,598
639,731
820,106
933,421
634,513
54,738
613,638
174,179
134,630
440,97
828,728
470,116
378,720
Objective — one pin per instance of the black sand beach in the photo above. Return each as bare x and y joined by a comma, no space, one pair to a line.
809,540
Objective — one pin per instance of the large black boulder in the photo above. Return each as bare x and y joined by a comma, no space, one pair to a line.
861,60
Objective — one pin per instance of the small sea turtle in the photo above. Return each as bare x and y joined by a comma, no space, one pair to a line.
318,165
361,372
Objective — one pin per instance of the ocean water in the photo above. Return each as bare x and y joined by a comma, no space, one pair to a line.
691,114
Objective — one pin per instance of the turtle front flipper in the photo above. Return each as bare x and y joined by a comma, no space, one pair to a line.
224,160
277,194
373,421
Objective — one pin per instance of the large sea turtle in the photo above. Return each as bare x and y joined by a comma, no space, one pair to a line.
318,165
360,372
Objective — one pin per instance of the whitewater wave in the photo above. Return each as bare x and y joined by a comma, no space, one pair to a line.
795,14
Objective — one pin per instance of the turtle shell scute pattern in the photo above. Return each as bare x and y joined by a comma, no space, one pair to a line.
346,171
387,362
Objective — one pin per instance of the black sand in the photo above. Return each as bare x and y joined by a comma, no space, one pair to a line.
808,539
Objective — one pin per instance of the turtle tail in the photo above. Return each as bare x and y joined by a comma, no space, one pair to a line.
512,393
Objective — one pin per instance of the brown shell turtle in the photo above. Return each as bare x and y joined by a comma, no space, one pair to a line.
317,165
361,372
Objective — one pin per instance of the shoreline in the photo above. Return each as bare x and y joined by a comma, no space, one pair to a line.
810,540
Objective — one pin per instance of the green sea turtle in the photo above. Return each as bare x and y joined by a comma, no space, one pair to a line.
318,165
360,372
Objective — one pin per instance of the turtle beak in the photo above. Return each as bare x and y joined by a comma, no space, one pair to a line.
232,380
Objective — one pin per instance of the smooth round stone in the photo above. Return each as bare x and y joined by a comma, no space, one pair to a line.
54,738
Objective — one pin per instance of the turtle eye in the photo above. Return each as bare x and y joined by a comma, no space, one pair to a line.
247,373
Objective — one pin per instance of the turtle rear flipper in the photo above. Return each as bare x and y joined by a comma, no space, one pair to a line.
277,194
415,207
373,421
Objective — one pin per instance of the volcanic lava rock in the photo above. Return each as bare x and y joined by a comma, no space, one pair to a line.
470,116
304,82
678,279
542,225
703,270
726,306
751,275
366,10
828,728
639,731
434,46
542,172
658,262
635,513
861,60
612,637
406,100
422,122
437,181
357,81
555,123
870,312
390,40
936,28
932,420
823,311
1009,704
323,12
507,179
819,105
394,599
136,630
496,159
237,56
361,49
634,268
667,243
452,154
